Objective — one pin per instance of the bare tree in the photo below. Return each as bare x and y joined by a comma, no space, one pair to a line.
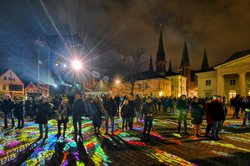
133,63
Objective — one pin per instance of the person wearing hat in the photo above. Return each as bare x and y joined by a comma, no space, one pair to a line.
7,107
43,112
62,116
148,111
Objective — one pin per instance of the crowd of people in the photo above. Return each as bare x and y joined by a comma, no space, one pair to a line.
105,108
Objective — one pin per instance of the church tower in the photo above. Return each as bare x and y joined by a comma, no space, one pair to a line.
151,67
160,57
185,67
204,64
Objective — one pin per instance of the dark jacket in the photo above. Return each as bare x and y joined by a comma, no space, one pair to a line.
216,110
7,105
43,112
125,111
182,105
78,108
110,106
196,113
18,110
131,112
63,112
148,111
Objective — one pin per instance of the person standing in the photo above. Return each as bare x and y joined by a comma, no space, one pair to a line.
208,117
183,107
18,111
43,112
247,111
124,114
138,107
7,107
196,116
165,105
110,107
148,111
62,116
131,113
96,113
218,116
237,104
78,109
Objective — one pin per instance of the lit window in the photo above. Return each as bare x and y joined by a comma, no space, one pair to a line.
208,82
232,82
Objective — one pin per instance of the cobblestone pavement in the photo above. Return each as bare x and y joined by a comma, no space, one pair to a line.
165,146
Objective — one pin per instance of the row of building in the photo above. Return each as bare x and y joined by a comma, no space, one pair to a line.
10,83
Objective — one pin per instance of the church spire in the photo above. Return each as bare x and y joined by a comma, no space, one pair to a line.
160,53
170,67
151,67
160,57
204,64
185,57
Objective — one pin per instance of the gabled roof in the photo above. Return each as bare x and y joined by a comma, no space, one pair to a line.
238,55
205,70
147,75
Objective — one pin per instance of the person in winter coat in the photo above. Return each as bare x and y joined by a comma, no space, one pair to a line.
131,114
124,113
18,111
111,108
96,114
208,117
7,107
148,110
138,104
237,105
247,111
196,116
78,110
43,112
218,116
62,116
183,107
165,105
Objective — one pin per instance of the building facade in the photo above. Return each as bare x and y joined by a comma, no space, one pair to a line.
227,79
11,84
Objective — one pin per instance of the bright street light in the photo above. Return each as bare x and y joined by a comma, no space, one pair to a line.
76,64
117,81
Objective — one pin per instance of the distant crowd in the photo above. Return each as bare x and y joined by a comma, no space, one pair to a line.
130,109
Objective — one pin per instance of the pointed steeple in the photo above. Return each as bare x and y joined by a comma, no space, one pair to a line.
170,67
185,57
160,53
204,64
160,57
151,67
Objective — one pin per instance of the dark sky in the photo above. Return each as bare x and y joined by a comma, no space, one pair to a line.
108,27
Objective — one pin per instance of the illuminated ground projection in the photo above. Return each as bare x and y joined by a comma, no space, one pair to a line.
21,147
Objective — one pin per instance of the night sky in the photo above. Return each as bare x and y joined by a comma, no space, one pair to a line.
112,27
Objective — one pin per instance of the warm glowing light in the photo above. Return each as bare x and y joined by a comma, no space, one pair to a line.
77,64
160,93
117,81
